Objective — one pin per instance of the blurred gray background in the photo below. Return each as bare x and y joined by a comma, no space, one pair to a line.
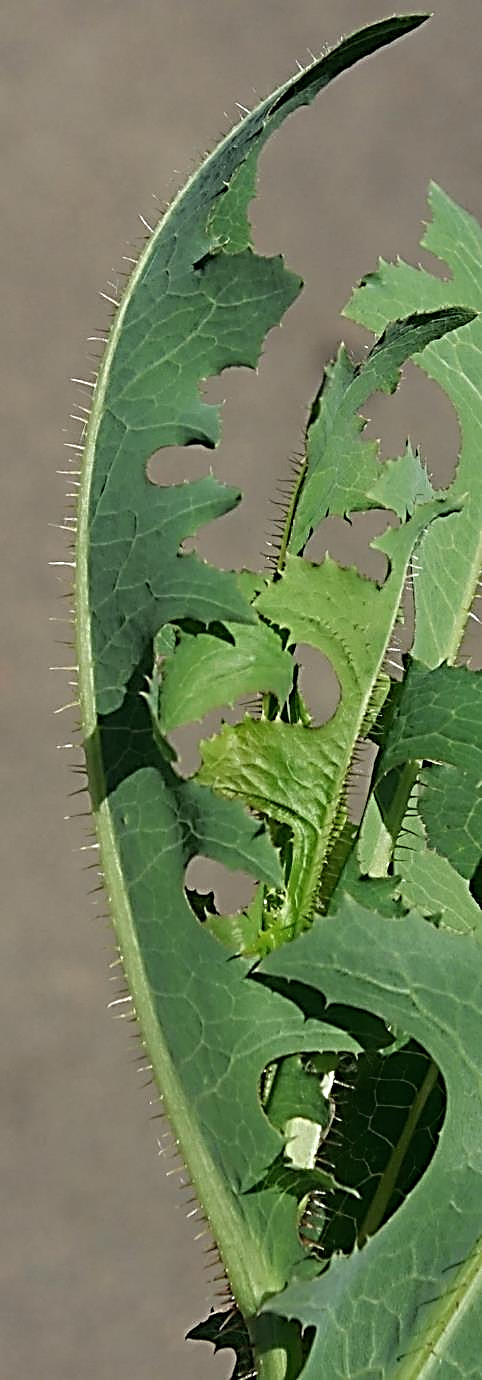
100,102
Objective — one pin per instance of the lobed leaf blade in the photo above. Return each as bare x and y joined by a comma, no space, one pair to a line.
199,300
341,472
409,1295
450,564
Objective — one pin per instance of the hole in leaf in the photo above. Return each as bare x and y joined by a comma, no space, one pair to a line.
318,683
299,1085
383,1101
419,409
186,739
259,427
370,1031
470,651
213,888
175,464
347,541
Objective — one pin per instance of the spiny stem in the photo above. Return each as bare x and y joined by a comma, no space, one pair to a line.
290,517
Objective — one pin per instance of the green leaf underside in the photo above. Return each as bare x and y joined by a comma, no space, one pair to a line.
450,561
451,809
438,718
406,1302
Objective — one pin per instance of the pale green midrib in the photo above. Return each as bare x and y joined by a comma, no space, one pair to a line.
326,835
441,1321
250,1272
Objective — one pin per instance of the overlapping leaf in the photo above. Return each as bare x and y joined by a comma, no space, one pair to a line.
198,301
429,883
450,562
409,1296
296,774
205,671
214,1031
437,718
342,473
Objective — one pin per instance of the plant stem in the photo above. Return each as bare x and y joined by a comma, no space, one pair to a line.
379,1204
277,1347
395,814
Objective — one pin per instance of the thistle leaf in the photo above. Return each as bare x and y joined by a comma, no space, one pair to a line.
411,1293
205,671
450,563
342,473
296,774
199,300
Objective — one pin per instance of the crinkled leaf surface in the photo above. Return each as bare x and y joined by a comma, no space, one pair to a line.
450,561
293,773
451,808
404,1305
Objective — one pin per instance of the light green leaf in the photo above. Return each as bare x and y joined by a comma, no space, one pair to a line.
293,773
402,485
450,561
204,672
375,843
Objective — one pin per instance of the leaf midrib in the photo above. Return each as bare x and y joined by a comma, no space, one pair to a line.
441,1323
251,1273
